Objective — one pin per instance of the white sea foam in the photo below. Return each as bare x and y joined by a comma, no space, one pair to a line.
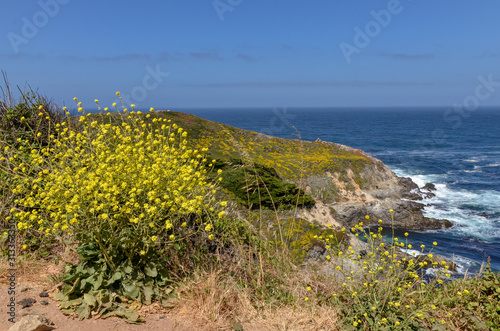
454,205
464,208
473,171
464,264
411,251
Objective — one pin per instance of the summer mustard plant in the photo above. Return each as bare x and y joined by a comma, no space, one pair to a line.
131,192
382,287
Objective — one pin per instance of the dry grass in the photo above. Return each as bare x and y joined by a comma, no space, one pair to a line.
215,301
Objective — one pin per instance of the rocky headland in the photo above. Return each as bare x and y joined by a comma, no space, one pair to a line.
346,183
374,191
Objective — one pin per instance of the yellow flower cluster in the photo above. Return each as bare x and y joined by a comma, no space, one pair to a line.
111,173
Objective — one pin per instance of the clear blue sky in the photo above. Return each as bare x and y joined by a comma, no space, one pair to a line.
247,53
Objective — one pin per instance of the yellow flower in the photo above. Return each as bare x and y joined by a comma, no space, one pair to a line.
142,252
184,224
153,238
435,243
367,217
391,211
406,234
117,92
211,237
96,101
306,299
309,288
25,246
172,237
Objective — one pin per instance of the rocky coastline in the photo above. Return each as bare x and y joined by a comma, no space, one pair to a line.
374,191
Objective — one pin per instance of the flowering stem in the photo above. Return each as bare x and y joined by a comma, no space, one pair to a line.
105,252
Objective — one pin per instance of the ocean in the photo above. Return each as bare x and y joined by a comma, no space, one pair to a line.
458,151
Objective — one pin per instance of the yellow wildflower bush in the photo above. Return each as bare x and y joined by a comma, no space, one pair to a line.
127,190
106,179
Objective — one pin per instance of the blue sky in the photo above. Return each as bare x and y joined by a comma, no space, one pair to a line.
255,53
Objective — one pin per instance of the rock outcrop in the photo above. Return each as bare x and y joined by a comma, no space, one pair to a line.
374,191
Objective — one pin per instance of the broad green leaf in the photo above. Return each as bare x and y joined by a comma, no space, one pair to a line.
131,290
83,312
89,299
150,270
128,269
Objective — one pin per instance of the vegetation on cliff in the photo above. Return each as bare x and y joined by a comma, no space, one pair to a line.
169,208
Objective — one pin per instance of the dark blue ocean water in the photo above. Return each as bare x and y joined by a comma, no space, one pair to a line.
458,152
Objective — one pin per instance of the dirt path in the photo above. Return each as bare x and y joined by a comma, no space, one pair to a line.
47,307
32,279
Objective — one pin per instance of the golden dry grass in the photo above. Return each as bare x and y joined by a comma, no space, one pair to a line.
216,302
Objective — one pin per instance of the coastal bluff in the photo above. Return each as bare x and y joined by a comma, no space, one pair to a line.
374,191
346,183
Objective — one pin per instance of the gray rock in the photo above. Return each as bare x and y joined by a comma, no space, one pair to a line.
407,215
429,187
315,252
25,303
33,323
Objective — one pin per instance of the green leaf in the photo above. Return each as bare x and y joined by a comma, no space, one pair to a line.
116,276
128,269
89,299
148,294
60,296
150,270
71,303
83,312
72,289
98,282
132,315
131,290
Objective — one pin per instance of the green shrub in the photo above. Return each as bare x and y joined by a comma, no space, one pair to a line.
260,186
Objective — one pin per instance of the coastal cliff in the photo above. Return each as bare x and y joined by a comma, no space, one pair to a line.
373,191
346,183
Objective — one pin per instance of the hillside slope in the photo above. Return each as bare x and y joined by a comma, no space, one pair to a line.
347,183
